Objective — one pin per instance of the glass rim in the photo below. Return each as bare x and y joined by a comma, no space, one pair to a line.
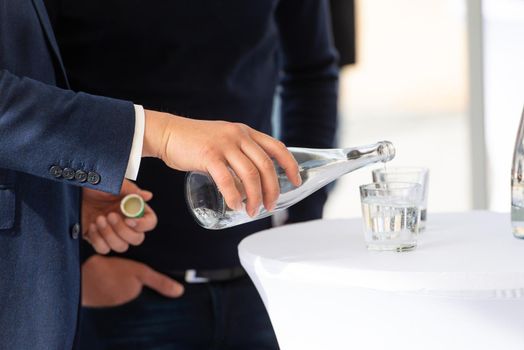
393,185
401,170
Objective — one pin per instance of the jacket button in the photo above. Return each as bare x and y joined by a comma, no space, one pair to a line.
93,178
55,171
75,231
81,176
68,173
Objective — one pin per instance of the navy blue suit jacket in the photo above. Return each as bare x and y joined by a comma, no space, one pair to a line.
44,130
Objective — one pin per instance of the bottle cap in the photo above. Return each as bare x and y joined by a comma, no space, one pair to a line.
132,206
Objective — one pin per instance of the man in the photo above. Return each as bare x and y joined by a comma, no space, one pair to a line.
344,32
207,59
52,140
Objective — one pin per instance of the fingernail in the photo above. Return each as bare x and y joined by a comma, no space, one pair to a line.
254,212
131,223
238,206
299,178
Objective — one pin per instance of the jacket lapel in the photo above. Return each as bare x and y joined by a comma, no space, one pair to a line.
48,30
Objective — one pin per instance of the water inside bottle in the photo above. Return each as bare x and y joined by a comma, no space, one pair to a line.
222,216
517,210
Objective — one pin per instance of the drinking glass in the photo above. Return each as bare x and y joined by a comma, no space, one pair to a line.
418,175
391,215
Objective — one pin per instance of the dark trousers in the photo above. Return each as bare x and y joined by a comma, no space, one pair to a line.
211,316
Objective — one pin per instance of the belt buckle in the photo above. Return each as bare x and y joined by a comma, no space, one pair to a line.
191,277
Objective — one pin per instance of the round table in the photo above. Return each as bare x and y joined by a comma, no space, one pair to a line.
461,288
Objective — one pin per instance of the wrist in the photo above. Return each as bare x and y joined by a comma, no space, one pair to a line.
154,133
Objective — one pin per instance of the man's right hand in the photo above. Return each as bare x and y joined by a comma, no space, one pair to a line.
217,146
111,281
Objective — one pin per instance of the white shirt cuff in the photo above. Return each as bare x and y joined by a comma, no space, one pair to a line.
138,140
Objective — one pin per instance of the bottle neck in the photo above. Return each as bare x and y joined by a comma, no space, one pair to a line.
343,160
382,151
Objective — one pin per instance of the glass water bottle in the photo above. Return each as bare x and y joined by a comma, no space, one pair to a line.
317,168
517,184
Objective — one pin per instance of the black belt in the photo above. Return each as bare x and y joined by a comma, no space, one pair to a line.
204,276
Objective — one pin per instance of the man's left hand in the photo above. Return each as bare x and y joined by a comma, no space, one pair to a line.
105,227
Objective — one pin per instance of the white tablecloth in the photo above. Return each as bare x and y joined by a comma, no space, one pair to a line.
462,288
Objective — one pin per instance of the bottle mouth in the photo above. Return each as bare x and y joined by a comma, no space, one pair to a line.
386,150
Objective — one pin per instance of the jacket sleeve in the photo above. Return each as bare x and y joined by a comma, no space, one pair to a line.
309,86
53,133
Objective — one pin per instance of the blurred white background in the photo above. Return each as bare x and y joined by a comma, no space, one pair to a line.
410,86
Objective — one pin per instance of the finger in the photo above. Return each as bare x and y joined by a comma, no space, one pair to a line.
144,224
160,283
108,234
128,235
146,195
226,184
268,175
250,177
278,150
129,187
94,238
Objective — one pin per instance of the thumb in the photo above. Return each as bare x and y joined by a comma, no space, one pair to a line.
146,195
160,283
129,187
